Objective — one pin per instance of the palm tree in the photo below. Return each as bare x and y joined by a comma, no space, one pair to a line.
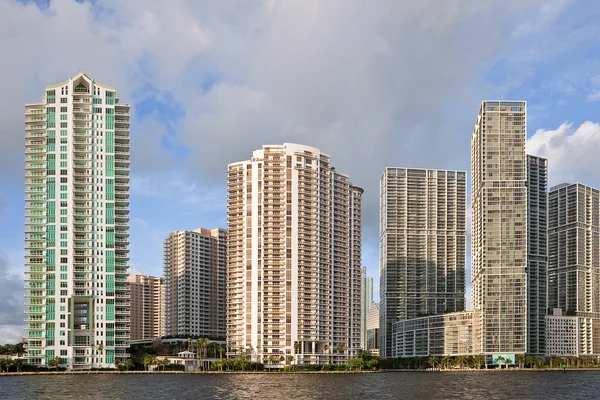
189,343
339,348
500,360
433,361
532,361
221,349
520,360
446,361
479,359
129,365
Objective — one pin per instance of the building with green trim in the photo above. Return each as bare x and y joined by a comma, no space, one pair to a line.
77,225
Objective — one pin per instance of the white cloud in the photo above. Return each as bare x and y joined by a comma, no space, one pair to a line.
571,152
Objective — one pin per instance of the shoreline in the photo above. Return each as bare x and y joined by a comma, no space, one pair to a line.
184,372
286,372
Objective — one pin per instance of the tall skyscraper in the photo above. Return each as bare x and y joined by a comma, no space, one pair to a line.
499,229
537,253
365,304
422,245
77,225
195,283
294,258
147,307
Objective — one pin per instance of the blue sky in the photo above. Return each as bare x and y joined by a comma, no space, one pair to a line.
390,83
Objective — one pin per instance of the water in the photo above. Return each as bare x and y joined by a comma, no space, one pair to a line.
392,385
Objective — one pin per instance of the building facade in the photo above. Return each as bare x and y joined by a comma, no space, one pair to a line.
77,225
294,280
537,253
372,331
574,259
499,229
147,307
437,335
422,245
194,273
365,304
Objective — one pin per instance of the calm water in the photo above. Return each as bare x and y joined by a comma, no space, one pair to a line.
399,385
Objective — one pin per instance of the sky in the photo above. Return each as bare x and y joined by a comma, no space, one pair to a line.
371,83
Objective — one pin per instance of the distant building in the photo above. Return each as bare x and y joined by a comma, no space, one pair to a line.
147,306
195,283
365,304
294,257
422,245
372,330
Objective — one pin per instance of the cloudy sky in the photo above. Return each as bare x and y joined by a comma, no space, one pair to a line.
372,83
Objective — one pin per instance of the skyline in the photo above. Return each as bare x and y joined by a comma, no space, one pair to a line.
195,86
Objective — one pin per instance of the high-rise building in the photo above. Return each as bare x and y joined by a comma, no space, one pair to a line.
147,307
422,245
499,229
77,225
294,257
194,268
365,304
574,261
537,253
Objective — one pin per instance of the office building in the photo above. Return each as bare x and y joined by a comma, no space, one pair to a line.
537,253
574,263
194,273
365,304
147,307
499,229
77,225
294,280
422,245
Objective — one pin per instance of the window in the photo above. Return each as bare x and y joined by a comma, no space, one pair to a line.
63,100
63,109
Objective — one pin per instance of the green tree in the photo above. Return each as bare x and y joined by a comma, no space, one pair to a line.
433,362
339,348
129,365
354,363
147,361
520,360
500,360
446,360
479,360
221,350
373,363
189,340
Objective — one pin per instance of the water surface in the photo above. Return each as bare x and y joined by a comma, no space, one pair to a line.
391,385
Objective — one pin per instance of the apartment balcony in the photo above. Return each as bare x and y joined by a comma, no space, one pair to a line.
81,110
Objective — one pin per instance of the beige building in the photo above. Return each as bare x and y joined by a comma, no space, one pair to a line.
194,273
422,245
499,229
294,281
77,225
147,306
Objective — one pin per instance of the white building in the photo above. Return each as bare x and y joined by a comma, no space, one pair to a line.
372,330
195,283
77,225
562,334
365,304
294,257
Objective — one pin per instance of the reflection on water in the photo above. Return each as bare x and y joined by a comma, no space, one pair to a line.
393,385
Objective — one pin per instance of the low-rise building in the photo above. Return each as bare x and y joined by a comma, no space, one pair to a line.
438,335
571,336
